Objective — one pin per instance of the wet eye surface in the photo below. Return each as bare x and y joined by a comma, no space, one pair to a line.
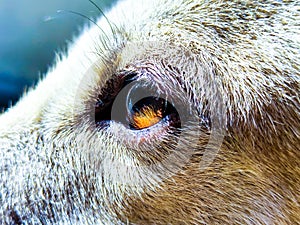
133,109
106,99
150,111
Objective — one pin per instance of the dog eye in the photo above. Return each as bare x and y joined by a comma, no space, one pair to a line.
131,108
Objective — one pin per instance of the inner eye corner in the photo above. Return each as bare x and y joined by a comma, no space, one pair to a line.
105,99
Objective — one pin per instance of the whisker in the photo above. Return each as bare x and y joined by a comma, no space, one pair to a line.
103,38
79,14
103,14
84,16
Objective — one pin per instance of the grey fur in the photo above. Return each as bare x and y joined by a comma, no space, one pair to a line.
233,61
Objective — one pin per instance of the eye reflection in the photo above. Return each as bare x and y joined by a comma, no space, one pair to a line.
134,110
150,111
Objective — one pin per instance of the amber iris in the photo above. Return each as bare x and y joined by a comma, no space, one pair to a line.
146,117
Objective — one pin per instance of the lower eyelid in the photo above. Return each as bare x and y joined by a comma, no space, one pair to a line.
155,133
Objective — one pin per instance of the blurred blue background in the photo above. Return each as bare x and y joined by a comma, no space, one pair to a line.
31,31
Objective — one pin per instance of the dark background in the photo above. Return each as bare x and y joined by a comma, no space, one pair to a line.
31,31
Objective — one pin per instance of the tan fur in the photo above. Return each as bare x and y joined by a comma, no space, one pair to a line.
234,63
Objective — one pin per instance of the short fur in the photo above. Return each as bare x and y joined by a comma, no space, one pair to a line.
238,57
